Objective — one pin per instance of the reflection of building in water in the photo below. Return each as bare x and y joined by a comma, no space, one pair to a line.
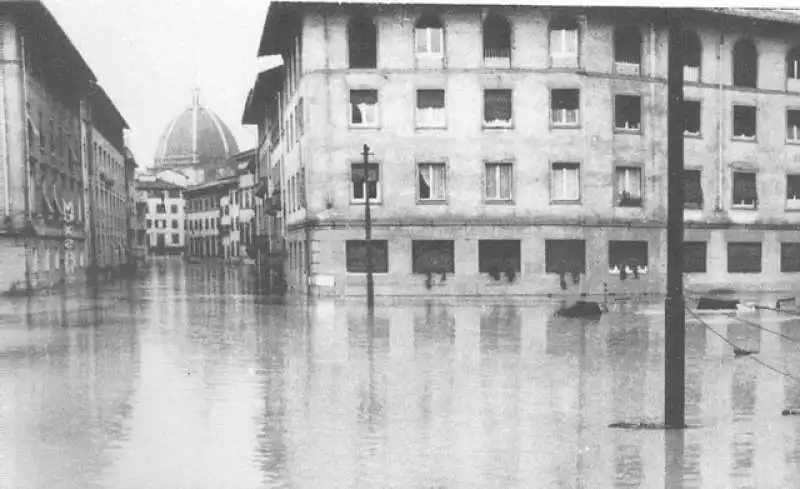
579,96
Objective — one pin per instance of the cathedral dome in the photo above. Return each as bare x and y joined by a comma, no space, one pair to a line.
196,138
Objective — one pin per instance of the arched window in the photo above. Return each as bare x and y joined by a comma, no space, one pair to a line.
627,50
793,68
362,41
745,64
429,36
692,54
496,41
564,42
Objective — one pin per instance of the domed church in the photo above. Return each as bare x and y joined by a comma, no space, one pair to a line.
196,143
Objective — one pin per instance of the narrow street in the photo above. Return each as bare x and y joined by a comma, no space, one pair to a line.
183,377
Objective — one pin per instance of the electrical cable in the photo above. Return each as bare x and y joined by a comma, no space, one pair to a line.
756,325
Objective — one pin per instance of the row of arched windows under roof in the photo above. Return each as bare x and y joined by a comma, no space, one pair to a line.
429,39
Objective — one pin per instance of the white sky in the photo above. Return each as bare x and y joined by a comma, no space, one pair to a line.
145,53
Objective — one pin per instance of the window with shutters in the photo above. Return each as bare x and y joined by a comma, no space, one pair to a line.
692,189
627,50
694,256
497,110
565,107
793,125
565,183
434,256
744,122
628,113
691,118
362,37
744,257
745,64
499,182
745,192
431,111
628,257
564,35
628,186
432,182
790,257
565,256
356,256
364,108
793,191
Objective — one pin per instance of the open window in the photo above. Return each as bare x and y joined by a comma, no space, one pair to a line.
431,110
694,256
790,257
627,258
745,64
361,186
745,192
793,125
565,107
497,109
628,113
627,50
691,118
793,69
364,108
429,36
564,43
744,122
793,191
499,256
433,256
496,42
356,256
692,56
692,189
565,256
362,42
432,182
628,186
744,257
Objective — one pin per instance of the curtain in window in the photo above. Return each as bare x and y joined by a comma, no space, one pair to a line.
563,41
432,182
491,181
497,106
363,104
629,183
565,182
428,40
505,181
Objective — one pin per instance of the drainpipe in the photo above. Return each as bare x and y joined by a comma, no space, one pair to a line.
720,126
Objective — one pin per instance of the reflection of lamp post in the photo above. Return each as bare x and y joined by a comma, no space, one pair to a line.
365,181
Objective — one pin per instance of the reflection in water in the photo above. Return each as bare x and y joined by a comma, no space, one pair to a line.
181,378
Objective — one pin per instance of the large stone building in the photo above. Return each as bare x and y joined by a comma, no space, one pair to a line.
47,119
514,147
164,218
196,143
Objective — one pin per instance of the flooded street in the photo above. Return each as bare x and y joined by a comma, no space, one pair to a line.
183,378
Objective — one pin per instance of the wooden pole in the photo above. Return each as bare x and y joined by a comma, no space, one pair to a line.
675,315
368,232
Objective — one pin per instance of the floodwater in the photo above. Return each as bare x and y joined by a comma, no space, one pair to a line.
183,378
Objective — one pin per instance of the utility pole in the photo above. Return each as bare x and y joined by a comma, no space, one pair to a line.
675,314
368,230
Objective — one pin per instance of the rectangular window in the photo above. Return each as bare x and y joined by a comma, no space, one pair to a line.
564,44
364,108
499,181
790,257
694,256
161,209
629,257
429,40
432,182
431,109
565,256
149,223
434,256
793,191
691,118
176,238
692,189
174,224
565,182
173,209
356,256
628,112
497,108
793,125
628,182
744,122
745,192
565,107
499,256
744,257
361,185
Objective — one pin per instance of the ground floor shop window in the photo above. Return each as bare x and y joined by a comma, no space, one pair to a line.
790,257
744,257
499,256
433,256
356,256
694,256
627,258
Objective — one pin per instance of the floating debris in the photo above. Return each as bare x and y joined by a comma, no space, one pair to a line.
582,309
738,352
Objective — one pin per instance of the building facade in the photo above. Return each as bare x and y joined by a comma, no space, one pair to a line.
165,218
522,150
48,118
206,205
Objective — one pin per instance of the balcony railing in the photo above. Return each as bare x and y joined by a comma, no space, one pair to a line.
497,57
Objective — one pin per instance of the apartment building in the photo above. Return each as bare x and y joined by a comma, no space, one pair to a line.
522,149
165,218
206,208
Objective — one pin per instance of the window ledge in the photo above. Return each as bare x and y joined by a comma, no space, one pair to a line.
744,139
498,126
431,202
431,128
565,202
564,126
622,130
692,135
793,142
498,202
740,207
363,202
364,126
688,206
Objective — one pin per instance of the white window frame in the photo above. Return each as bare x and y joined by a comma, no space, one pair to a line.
499,164
428,42
426,118
618,191
376,111
378,193
432,198
564,53
563,120
560,196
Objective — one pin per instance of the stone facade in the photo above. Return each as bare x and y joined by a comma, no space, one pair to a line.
582,135
164,218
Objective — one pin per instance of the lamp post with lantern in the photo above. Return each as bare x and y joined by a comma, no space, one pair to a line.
366,178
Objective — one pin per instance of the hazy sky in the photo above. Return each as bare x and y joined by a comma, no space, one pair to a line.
147,54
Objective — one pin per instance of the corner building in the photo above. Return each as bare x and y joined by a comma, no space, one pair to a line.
515,147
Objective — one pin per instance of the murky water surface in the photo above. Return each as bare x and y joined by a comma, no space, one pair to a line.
182,378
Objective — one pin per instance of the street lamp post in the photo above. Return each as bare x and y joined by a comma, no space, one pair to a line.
368,228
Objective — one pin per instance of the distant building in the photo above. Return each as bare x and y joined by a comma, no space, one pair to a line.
196,143
48,117
521,149
165,218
